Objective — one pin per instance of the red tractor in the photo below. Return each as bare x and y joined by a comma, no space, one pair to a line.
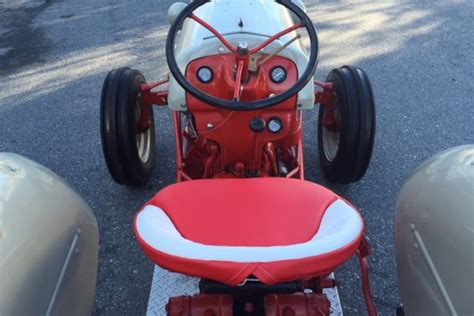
241,217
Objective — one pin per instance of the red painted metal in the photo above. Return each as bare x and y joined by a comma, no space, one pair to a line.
238,80
243,57
362,253
258,86
275,37
253,50
301,304
215,32
230,130
151,86
214,151
326,96
270,153
235,147
180,175
300,159
326,99
328,283
144,122
150,97
200,305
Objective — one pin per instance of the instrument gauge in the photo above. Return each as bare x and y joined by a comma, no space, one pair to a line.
278,74
204,74
274,125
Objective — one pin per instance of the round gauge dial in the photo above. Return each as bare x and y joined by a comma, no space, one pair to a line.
274,125
204,74
278,74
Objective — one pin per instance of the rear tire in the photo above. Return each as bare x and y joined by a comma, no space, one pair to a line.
128,152
345,152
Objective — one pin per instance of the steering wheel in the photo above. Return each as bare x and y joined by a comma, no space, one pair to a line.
242,55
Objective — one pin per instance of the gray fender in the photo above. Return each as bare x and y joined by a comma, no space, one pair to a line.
48,243
435,235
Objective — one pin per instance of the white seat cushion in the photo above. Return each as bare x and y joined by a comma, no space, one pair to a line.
340,225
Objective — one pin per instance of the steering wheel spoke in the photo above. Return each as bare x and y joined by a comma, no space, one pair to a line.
214,31
238,81
275,37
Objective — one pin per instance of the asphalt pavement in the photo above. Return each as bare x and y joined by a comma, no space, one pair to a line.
54,56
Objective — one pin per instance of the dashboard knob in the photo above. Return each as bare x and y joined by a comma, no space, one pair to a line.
257,124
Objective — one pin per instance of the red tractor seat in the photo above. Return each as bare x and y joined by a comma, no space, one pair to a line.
275,229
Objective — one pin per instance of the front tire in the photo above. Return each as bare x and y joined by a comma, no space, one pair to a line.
128,151
345,149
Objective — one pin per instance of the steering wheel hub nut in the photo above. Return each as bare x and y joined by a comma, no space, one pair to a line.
243,48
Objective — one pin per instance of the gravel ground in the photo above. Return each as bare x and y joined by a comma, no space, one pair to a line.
55,54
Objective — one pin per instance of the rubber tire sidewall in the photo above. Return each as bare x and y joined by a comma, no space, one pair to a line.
137,172
357,126
118,128
108,126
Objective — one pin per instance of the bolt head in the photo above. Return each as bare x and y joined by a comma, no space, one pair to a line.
243,45
11,167
243,48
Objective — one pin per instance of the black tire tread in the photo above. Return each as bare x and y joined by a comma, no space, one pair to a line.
119,91
108,127
357,112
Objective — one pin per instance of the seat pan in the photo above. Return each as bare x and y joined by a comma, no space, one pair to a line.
228,229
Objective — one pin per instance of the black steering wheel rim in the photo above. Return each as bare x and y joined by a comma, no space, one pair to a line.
235,105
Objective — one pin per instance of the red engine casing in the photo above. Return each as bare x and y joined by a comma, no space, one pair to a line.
299,304
237,143
200,305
